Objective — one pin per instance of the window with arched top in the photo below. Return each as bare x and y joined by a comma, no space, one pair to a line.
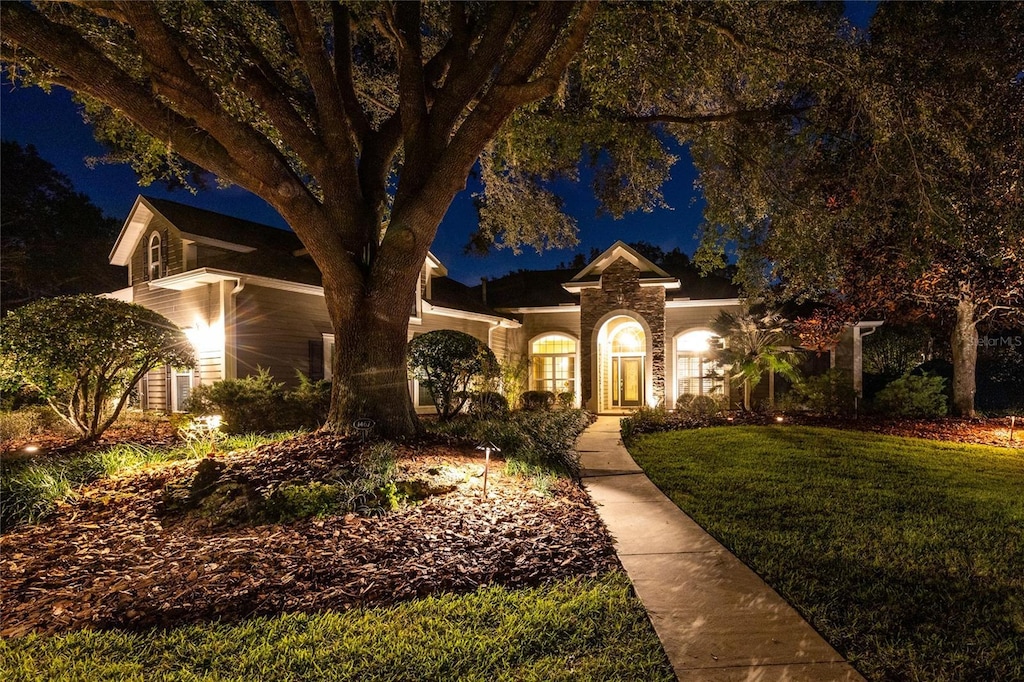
629,339
154,261
553,364
697,371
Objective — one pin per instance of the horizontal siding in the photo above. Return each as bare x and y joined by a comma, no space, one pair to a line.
172,250
535,324
274,328
433,322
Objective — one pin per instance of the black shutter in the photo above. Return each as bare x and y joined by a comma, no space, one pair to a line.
316,360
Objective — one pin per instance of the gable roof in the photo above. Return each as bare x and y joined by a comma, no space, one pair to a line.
527,288
619,249
201,226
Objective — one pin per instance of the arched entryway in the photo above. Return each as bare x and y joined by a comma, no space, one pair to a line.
622,365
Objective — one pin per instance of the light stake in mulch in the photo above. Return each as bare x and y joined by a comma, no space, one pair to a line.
487,448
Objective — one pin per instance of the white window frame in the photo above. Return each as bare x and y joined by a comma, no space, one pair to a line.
575,356
676,369
157,264
175,374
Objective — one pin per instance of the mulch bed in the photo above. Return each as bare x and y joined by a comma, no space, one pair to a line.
115,558
994,431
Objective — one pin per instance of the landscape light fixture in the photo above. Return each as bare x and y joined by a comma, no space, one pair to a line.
487,447
780,419
31,448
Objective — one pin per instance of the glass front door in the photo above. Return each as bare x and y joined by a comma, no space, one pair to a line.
627,381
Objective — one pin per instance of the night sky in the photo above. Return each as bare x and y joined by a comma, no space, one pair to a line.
52,124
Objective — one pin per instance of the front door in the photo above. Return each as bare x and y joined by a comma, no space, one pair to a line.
627,381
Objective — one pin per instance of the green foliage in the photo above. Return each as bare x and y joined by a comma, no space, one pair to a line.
31,488
913,396
698,405
487,403
31,421
254,403
257,403
578,629
753,346
84,354
831,393
537,400
309,403
530,441
512,377
893,351
448,362
904,553
293,501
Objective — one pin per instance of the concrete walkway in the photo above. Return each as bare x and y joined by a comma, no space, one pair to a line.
716,618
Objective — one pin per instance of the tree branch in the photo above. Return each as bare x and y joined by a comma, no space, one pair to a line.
741,115
343,71
335,128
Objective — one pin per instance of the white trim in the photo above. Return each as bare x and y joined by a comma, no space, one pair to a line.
726,393
218,243
615,251
428,307
132,231
201,276
562,308
127,295
702,302
327,358
577,380
155,240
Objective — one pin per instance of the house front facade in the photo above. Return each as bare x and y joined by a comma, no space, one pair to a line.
620,333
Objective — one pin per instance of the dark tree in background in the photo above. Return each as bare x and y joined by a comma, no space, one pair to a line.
53,240
901,192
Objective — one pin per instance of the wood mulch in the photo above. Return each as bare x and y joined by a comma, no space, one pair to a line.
114,558
980,431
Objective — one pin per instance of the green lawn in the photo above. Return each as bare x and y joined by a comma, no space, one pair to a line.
908,555
574,630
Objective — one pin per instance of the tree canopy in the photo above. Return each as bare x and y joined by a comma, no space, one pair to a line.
54,239
359,122
901,191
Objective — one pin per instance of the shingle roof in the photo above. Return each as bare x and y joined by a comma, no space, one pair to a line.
528,288
448,293
226,228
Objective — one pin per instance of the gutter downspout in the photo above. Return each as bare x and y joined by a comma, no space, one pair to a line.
229,358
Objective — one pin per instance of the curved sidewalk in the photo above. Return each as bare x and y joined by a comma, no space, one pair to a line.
717,620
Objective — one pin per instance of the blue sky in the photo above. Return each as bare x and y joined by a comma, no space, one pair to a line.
53,124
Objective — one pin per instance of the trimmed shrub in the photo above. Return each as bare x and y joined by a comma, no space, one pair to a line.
831,393
84,355
537,400
258,404
698,405
309,403
252,404
535,442
566,400
913,396
447,363
486,403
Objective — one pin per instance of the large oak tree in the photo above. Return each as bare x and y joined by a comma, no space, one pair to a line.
360,122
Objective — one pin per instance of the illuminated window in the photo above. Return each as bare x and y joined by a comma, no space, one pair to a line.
628,340
154,264
696,370
553,364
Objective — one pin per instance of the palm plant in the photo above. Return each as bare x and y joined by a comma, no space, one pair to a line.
753,345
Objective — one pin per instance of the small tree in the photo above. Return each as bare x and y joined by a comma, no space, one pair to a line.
753,346
447,362
84,354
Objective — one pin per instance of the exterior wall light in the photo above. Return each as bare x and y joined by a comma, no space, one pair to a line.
204,337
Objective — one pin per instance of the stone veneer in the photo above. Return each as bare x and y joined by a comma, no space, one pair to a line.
622,279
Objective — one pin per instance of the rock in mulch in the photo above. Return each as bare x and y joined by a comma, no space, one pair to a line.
115,558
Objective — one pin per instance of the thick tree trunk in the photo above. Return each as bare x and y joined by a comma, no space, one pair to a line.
965,357
370,379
